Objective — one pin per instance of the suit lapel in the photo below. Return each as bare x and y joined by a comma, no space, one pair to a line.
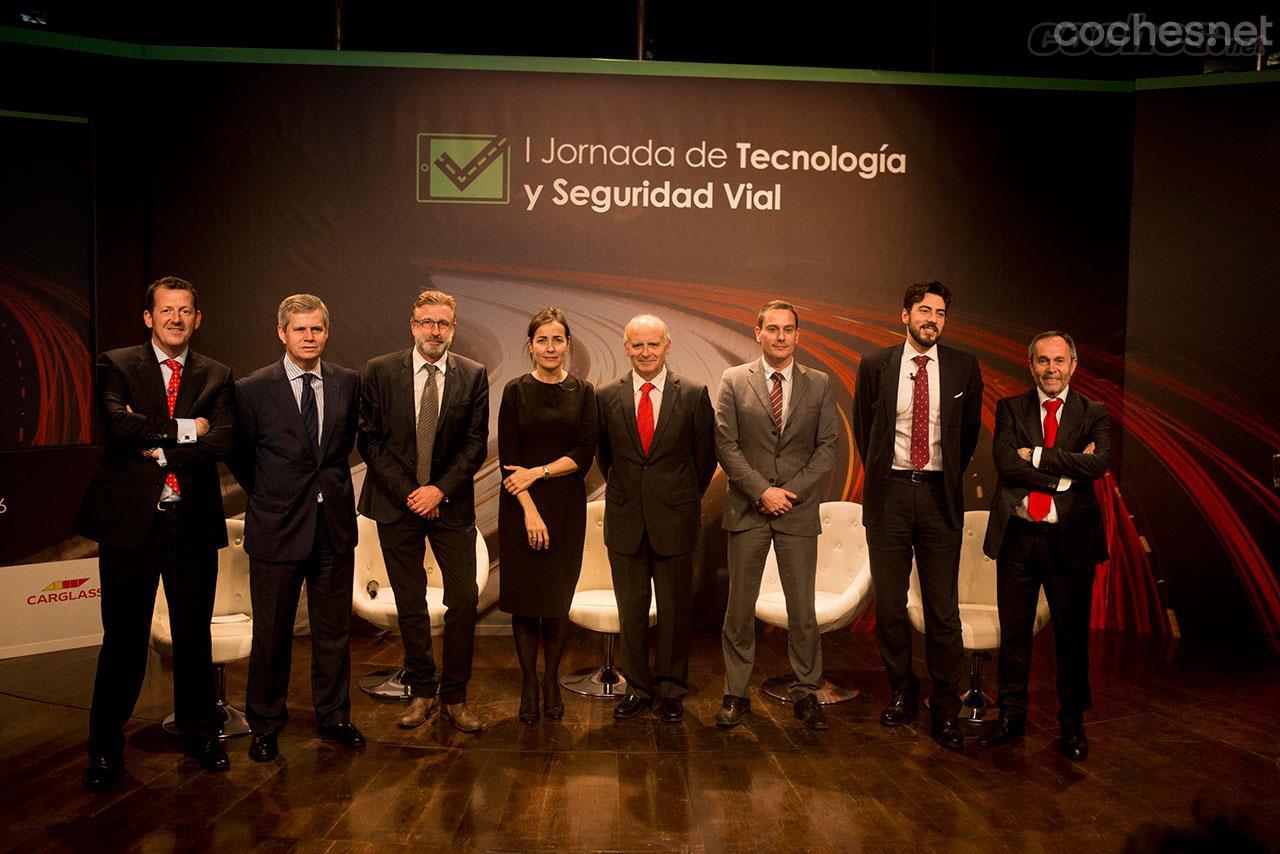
1031,411
758,383
948,388
192,380
799,388
152,383
1070,419
282,396
451,391
332,406
627,396
889,389
402,406
670,401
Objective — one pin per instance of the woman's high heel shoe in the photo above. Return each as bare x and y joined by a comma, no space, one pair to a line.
552,705
529,704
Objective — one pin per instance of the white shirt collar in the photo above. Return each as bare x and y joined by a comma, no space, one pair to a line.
162,356
658,381
1062,395
419,360
909,353
292,371
770,369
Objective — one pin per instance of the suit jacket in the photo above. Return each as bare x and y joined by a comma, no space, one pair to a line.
875,408
121,500
660,493
1019,424
282,470
755,458
388,437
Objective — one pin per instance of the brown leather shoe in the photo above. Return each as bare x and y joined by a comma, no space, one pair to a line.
420,711
462,718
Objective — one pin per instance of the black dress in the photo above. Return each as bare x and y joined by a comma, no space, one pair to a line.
537,424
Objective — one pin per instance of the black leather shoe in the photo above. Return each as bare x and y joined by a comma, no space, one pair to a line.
733,711
947,733
1008,728
902,709
671,710
630,706
209,753
103,772
810,711
1074,745
263,748
344,733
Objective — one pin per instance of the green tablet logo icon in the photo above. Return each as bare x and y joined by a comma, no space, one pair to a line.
468,168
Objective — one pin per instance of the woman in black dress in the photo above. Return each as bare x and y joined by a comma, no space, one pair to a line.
546,442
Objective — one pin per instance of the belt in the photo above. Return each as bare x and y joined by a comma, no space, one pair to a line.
915,476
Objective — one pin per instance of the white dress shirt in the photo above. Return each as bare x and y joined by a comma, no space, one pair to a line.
655,393
1064,483
186,426
906,397
787,385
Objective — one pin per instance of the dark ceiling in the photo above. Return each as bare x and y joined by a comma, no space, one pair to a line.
900,35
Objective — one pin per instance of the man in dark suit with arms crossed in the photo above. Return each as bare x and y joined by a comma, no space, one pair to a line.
1051,444
155,508
424,433
917,413
656,447
297,430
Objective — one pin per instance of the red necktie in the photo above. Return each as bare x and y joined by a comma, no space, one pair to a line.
1038,503
644,418
175,379
920,415
775,400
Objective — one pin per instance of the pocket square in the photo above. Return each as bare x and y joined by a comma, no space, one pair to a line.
961,394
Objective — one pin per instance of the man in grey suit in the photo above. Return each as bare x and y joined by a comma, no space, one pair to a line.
776,440
657,448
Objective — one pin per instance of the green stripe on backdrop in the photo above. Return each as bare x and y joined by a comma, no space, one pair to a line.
624,67
44,117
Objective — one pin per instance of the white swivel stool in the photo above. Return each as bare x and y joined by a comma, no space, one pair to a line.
231,629
373,599
979,616
842,591
595,607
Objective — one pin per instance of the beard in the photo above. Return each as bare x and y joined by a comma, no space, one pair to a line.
917,333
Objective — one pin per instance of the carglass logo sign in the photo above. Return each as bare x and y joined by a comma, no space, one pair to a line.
466,168
66,590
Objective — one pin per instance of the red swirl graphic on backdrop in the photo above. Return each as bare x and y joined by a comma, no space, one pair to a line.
46,391
1126,595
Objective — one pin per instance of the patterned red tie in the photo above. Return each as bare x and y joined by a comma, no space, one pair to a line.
775,400
1038,503
175,379
644,418
920,414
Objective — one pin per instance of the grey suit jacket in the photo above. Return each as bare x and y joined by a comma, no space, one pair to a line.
755,458
659,493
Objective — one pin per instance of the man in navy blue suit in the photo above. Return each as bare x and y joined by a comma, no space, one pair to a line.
297,429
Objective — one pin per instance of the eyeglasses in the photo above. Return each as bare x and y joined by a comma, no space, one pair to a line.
442,325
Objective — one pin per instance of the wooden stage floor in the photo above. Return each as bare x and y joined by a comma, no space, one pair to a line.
1171,734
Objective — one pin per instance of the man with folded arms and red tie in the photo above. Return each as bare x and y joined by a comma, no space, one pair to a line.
656,447
1046,529
917,411
155,508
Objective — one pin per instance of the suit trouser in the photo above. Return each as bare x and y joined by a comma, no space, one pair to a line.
1031,556
913,523
275,588
404,550
672,577
129,579
797,569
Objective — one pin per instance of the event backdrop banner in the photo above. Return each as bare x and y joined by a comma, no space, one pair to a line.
698,199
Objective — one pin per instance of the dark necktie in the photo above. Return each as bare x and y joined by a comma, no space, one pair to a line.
171,393
920,414
1038,503
427,412
775,400
644,418
310,413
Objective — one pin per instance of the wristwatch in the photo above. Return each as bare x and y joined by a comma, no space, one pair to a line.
546,472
